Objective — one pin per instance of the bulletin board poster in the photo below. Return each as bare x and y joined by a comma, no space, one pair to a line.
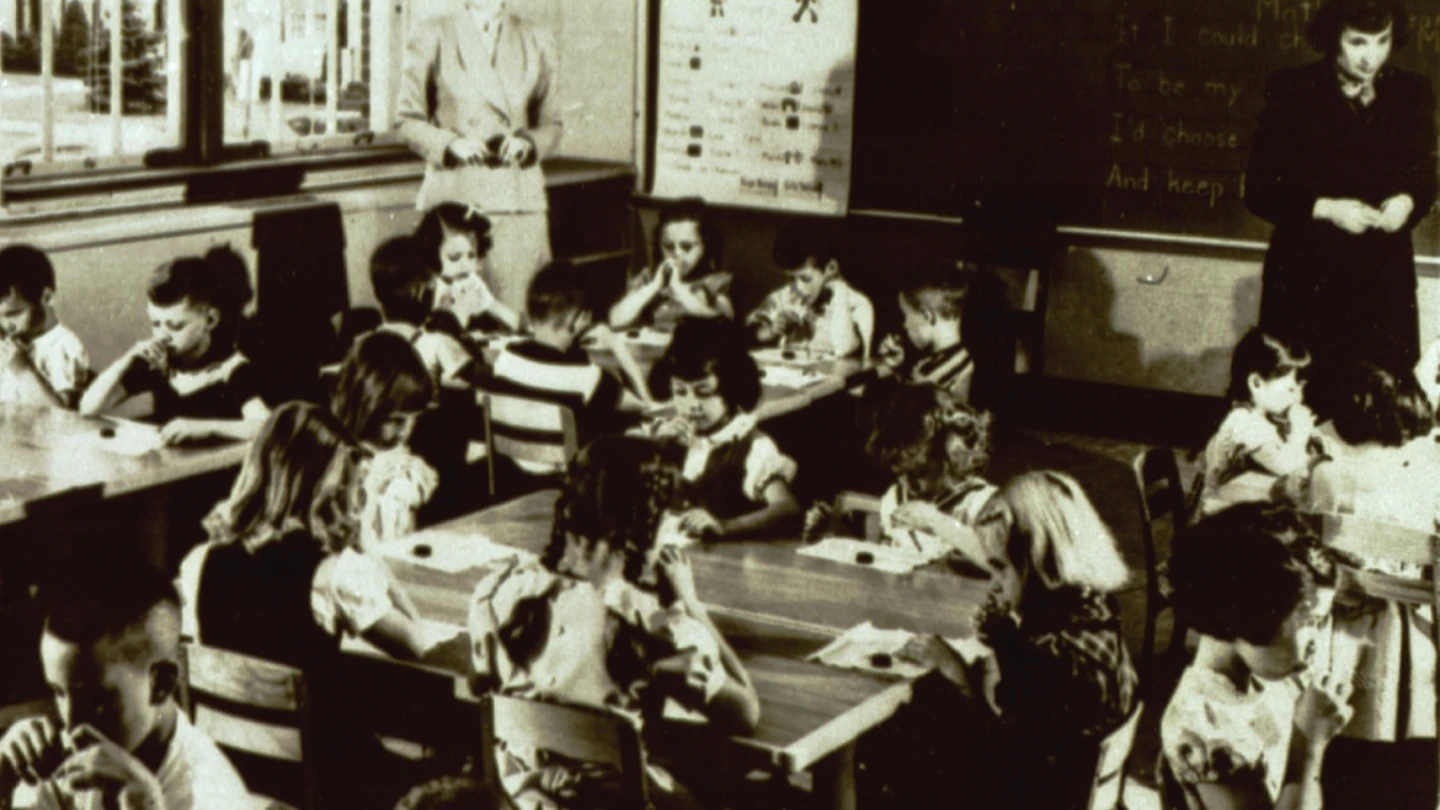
755,102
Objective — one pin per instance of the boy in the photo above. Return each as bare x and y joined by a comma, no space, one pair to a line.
817,309
933,307
42,362
551,365
109,651
405,289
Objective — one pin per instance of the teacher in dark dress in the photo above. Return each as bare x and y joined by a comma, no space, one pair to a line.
1343,165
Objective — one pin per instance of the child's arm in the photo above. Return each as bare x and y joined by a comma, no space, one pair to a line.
697,303
776,515
862,316
926,517
183,430
108,390
632,304
605,340
31,385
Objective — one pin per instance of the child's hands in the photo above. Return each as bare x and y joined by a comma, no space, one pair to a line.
923,516
601,337
892,351
153,353
700,523
100,764
1302,420
184,431
1323,709
12,354
817,521
673,566
30,751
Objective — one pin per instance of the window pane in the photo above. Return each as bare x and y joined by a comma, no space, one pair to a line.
60,60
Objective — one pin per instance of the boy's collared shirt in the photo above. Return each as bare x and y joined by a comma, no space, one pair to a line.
833,322
59,357
534,370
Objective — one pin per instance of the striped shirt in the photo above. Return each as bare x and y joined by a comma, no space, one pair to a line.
534,370
951,370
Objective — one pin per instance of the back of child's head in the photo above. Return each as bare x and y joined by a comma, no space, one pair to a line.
807,241
1239,574
453,793
690,209
1381,407
922,426
942,289
403,282
294,477
218,280
115,603
557,292
381,375
701,347
25,272
450,218
1057,536
1266,355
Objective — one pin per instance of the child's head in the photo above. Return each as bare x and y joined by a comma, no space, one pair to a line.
686,239
404,283
809,254
933,304
110,646
1057,539
1382,407
27,282
1268,372
295,477
455,240
561,298
1249,576
383,386
453,793
929,440
196,303
708,372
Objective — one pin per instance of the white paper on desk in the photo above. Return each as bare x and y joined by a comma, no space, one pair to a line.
856,648
430,633
790,377
130,439
889,559
451,552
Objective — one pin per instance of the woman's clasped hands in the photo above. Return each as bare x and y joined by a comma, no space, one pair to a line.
1357,217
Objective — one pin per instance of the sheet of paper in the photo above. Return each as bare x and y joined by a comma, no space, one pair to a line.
865,554
451,552
790,377
868,648
431,634
119,436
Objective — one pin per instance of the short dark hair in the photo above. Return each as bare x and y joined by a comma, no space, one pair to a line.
1240,573
942,287
453,793
447,217
219,279
25,271
1369,16
401,281
690,209
807,240
558,290
704,346
382,374
1382,406
1265,354
109,595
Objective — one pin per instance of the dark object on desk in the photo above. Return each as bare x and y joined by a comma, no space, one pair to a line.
633,333
788,354
880,661
107,432
864,558
422,550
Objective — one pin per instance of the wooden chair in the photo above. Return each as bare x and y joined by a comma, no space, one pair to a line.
539,436
1161,498
258,712
1107,792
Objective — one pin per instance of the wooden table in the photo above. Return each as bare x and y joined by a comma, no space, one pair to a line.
776,608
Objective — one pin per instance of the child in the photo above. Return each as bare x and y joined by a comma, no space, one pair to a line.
603,620
1269,429
41,361
736,482
551,366
688,281
1064,675
1241,730
110,654
454,240
453,793
934,305
381,393
203,387
817,310
404,287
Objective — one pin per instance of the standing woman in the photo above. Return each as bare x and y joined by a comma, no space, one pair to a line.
478,103
1343,164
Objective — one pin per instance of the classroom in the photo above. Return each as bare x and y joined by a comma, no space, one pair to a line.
719,404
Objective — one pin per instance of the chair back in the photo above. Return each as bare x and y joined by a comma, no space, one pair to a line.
859,506
258,711
1107,792
539,436
1172,794
1161,498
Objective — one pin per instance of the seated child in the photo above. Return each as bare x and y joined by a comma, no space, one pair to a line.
1269,429
405,289
934,303
1247,726
736,482
551,365
118,739
453,240
42,362
453,793
684,279
1065,679
203,387
603,619
817,310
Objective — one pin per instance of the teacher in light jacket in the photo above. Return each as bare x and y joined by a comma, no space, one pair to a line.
477,102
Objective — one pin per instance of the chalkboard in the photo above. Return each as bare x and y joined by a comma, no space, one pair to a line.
1125,114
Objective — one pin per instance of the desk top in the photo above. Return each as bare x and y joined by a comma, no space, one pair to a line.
48,451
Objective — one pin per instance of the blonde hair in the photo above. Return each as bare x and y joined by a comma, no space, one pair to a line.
1057,534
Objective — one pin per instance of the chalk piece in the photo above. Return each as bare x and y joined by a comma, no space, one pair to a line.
422,551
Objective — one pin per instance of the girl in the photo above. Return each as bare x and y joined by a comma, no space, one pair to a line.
1269,429
455,239
1384,468
202,386
381,392
687,282
1241,730
1064,675
602,620
42,361
736,482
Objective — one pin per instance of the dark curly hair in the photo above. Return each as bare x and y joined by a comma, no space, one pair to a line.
704,346
1382,406
1369,16
450,217
914,428
1270,356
